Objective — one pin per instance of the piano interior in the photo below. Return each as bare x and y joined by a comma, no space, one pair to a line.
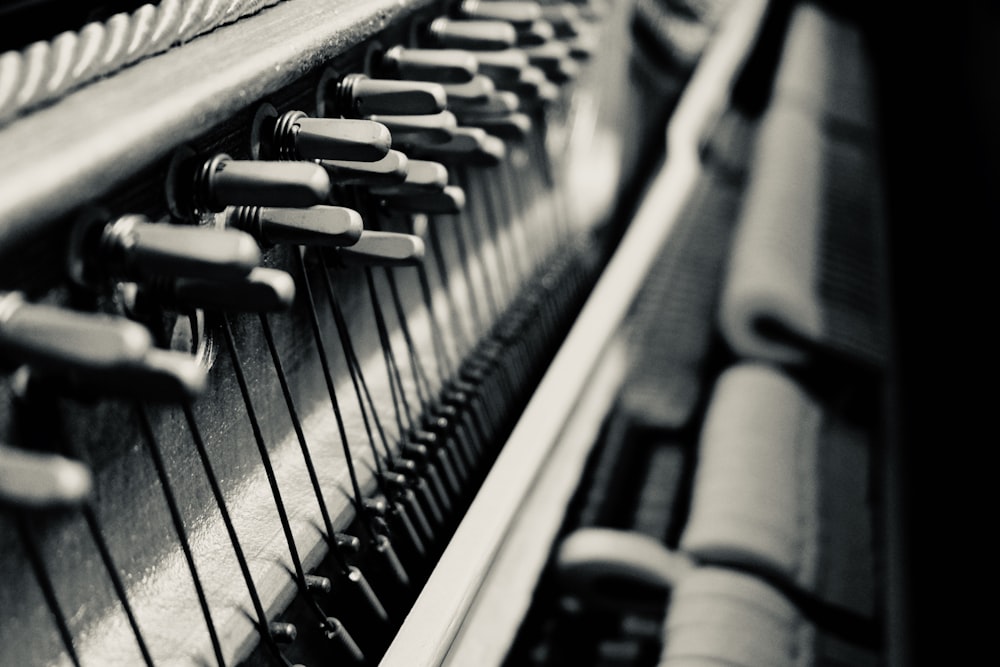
453,332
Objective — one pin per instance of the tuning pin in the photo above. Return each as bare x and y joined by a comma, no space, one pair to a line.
503,66
446,201
383,249
347,544
282,633
582,47
475,92
318,584
263,290
296,136
359,584
468,145
390,169
337,633
427,174
497,103
426,128
315,226
472,35
133,248
512,126
520,14
533,86
359,96
37,480
536,34
423,175
161,375
63,340
564,19
554,59
594,10
438,65
223,182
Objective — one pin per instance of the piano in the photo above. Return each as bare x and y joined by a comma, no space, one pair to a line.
449,332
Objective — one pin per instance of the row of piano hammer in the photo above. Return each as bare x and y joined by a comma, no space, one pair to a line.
761,337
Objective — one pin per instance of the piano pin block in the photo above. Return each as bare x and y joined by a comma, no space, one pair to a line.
387,171
358,96
471,35
473,93
383,249
296,136
223,182
62,340
422,129
39,480
314,226
446,66
449,200
133,248
520,14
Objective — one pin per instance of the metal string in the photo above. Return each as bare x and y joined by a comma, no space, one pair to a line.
328,378
420,379
460,334
93,525
400,402
338,416
505,264
272,480
116,580
362,392
465,263
48,591
357,377
262,625
490,284
390,359
445,365
175,516
416,367
300,436
508,211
